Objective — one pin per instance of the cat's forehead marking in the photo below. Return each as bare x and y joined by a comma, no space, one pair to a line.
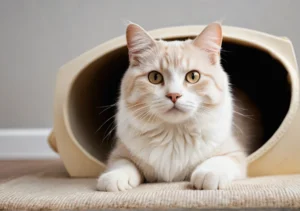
186,63
173,56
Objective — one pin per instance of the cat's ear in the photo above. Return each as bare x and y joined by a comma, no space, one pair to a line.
210,39
138,41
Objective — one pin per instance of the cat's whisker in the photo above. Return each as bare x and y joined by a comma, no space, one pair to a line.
238,128
191,106
111,105
143,118
104,123
148,120
115,126
110,119
224,60
140,109
106,136
245,109
140,116
105,110
135,105
205,109
243,115
152,118
109,133
226,51
111,125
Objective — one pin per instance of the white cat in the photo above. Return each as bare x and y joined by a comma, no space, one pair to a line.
175,116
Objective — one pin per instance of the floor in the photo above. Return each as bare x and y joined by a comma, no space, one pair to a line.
15,168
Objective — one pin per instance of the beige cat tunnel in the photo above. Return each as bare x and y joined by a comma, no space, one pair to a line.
262,65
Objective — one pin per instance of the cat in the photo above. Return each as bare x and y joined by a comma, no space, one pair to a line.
176,114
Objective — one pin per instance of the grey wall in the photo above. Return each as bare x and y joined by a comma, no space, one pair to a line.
37,37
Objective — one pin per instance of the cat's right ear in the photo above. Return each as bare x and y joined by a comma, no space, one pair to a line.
138,41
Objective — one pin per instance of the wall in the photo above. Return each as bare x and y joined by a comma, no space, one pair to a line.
37,37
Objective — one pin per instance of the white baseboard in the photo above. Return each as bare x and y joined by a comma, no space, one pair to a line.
25,144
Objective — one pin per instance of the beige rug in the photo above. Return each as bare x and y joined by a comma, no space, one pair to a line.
56,191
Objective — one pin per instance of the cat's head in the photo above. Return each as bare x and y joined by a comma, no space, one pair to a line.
172,81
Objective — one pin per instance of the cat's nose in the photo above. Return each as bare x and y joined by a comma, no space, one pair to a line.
173,96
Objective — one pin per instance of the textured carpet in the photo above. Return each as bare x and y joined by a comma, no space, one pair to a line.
54,190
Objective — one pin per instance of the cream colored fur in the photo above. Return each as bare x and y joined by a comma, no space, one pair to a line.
195,138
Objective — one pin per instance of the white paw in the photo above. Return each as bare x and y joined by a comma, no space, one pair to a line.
209,180
217,172
118,180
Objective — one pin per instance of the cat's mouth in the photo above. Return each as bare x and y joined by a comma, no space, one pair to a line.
174,109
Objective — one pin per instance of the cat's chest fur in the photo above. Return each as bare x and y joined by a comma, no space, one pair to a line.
169,153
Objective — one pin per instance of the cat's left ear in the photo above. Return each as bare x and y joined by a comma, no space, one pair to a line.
138,41
210,39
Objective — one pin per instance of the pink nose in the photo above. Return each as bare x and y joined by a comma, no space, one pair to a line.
173,96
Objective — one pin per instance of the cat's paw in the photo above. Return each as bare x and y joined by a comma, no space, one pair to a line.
118,180
218,172
209,180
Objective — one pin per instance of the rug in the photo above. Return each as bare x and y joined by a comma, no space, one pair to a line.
56,191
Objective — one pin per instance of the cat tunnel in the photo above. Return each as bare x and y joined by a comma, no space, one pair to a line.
261,65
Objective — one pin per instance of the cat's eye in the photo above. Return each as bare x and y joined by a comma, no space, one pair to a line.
192,76
155,77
